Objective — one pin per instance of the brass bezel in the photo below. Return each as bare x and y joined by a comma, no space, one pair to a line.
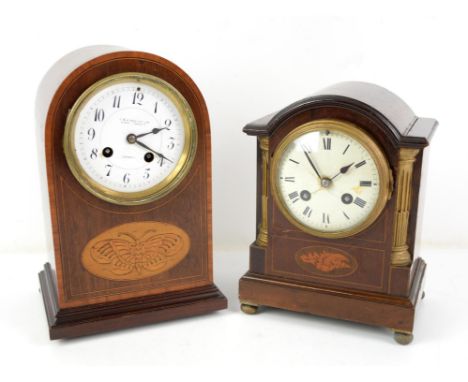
171,180
385,176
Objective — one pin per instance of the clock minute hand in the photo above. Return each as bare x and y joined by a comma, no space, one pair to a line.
150,149
311,163
153,131
343,170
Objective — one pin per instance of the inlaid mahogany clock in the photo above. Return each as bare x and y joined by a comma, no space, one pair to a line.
125,140
338,193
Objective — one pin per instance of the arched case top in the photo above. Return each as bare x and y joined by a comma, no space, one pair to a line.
369,99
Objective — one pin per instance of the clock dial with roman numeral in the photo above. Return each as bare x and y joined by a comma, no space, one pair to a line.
330,178
130,138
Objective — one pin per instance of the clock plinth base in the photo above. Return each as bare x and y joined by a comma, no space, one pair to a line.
99,318
394,312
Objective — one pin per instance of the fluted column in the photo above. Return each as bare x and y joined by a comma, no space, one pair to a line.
262,237
400,254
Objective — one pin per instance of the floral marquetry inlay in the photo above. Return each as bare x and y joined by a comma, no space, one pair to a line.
135,251
325,260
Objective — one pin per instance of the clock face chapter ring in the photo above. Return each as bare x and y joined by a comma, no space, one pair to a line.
330,179
130,138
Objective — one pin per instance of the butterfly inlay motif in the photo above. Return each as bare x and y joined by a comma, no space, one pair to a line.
135,251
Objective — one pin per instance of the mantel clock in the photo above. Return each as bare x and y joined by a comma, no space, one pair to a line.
338,193
125,148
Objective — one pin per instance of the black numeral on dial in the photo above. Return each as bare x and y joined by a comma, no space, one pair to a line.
360,202
108,168
99,115
307,212
116,103
138,98
94,153
294,196
360,164
171,143
91,134
325,218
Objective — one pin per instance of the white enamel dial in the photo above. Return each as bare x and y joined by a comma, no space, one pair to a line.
129,136
328,179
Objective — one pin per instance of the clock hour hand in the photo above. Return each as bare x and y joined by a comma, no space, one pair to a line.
343,170
153,131
310,161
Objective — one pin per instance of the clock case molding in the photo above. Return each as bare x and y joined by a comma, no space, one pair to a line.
77,302
389,282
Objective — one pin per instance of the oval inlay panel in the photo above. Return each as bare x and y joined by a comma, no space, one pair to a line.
326,261
135,251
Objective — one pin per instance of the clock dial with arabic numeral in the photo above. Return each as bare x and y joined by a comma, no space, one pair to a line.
330,178
130,138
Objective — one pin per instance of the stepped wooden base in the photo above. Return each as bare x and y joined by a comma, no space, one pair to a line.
98,318
394,312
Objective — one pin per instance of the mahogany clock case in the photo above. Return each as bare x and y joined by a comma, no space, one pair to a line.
79,302
384,286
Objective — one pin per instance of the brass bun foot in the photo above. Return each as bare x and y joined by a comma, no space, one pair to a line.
403,338
249,309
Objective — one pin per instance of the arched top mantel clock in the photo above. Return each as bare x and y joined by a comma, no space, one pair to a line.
126,161
339,179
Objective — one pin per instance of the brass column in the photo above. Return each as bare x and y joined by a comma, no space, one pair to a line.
262,237
400,254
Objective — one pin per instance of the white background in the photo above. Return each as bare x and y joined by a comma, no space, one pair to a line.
249,59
